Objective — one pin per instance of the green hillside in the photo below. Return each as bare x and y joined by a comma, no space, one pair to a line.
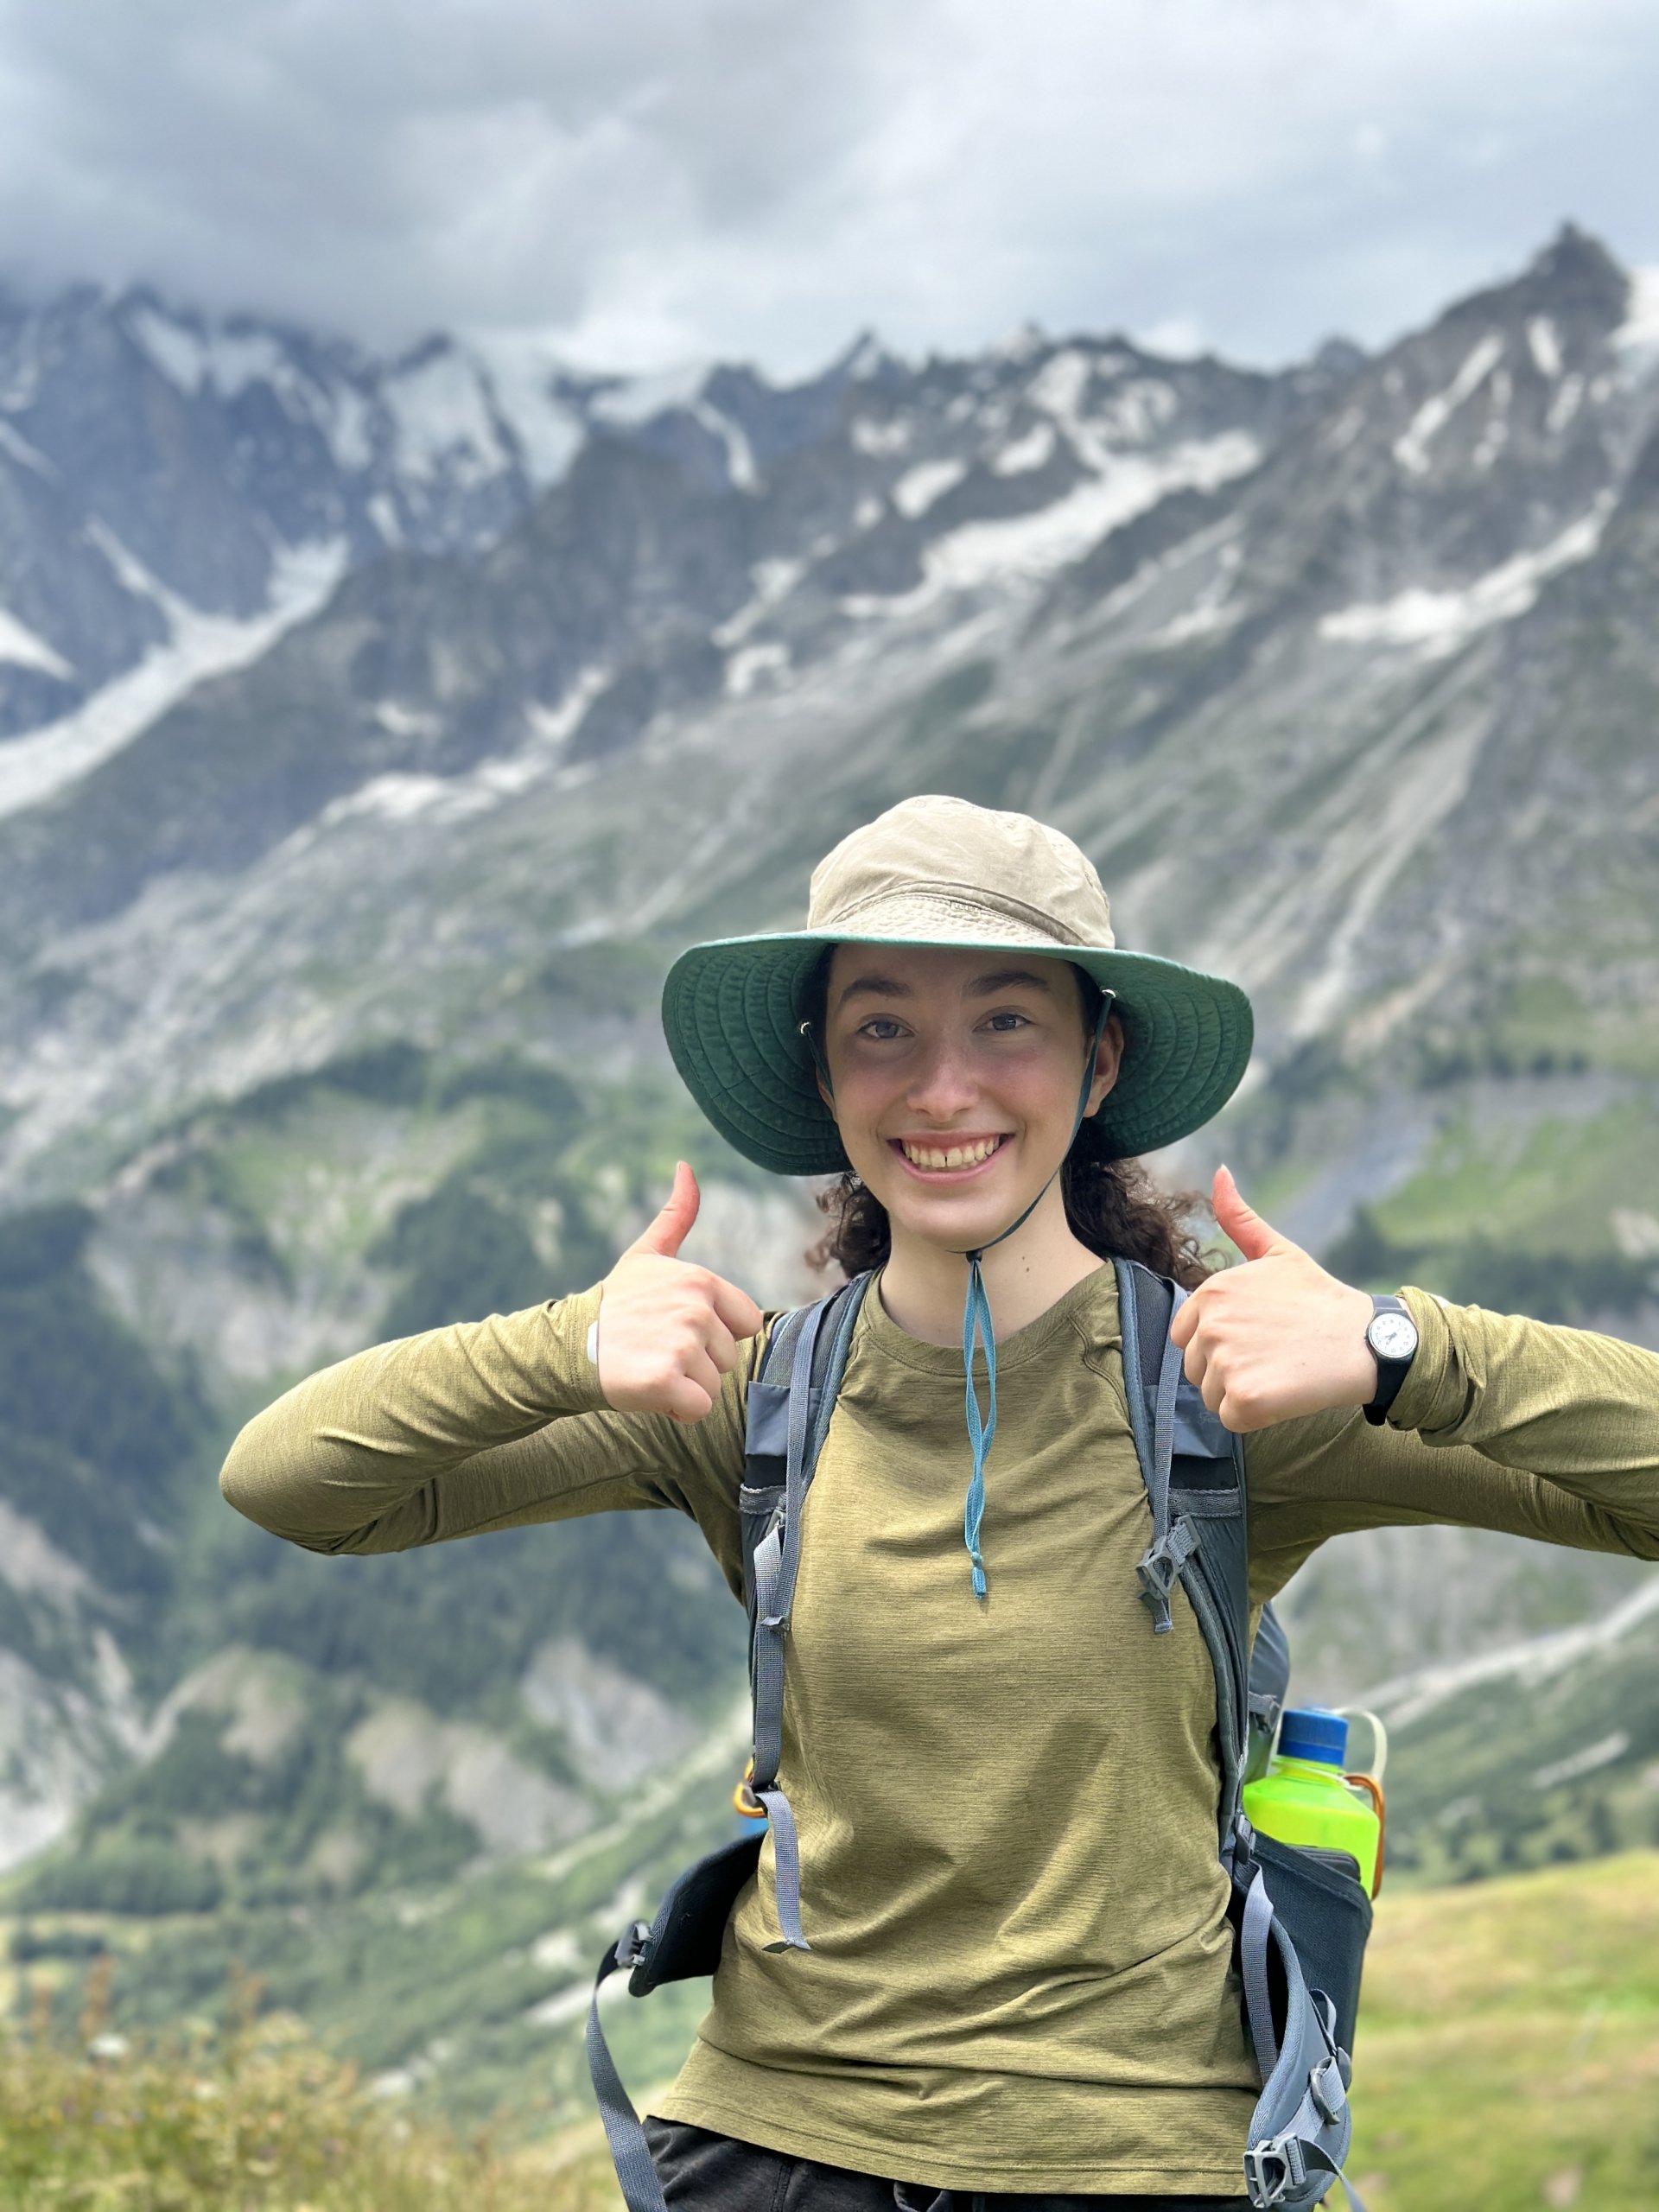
1508,2048
1508,2060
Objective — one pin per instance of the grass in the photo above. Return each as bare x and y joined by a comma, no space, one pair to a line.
1508,2056
258,2119
1508,2060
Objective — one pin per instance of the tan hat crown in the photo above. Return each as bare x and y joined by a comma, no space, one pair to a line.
934,867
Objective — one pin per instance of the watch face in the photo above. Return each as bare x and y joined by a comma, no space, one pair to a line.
1392,1335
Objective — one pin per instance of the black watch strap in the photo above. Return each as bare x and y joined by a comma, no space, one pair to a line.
1390,1373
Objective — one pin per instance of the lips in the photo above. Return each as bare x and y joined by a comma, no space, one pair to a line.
944,1155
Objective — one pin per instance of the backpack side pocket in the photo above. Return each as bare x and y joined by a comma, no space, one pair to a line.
1320,1901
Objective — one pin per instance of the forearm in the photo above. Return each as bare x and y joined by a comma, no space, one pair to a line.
1575,1409
357,1441
1503,1423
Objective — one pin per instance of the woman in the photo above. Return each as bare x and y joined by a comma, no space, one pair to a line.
1005,1788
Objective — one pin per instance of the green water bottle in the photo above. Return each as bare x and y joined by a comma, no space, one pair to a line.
1305,1798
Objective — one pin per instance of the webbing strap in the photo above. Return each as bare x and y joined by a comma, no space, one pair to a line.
1254,1937
768,1570
777,1560
630,2153
1170,1549
786,1871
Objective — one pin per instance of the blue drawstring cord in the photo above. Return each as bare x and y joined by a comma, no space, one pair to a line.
977,1328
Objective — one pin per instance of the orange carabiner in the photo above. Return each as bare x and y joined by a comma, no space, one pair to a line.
1373,1789
744,1801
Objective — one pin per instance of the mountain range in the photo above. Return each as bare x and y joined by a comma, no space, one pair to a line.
372,733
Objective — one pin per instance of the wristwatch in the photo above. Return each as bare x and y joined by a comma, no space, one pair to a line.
1392,1335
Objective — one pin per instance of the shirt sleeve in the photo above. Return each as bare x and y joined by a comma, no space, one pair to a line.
482,1425
1502,1423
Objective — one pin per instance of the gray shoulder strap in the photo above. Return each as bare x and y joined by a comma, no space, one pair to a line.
795,1415
1194,1474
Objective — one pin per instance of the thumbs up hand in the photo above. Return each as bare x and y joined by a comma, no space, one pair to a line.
669,1330
1277,1336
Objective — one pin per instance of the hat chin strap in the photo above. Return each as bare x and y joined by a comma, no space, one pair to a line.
977,1325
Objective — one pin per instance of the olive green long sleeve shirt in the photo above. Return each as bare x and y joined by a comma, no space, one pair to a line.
1020,1978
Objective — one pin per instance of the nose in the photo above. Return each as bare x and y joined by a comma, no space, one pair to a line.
941,1085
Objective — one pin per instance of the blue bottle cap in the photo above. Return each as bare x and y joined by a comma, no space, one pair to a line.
1308,1731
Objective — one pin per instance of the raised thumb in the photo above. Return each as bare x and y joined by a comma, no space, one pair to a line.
1253,1238
673,1224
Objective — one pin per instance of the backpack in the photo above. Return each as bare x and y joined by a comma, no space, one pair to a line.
1300,1916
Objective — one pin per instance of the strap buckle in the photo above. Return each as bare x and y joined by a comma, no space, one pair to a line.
1160,1567
632,1946
1272,2168
1327,2087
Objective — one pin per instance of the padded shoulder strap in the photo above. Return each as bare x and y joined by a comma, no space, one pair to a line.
1194,1472
787,1422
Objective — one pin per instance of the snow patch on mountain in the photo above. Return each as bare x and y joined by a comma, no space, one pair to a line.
1437,622
1639,332
922,486
441,408
32,767
773,580
1032,451
31,1562
879,441
634,400
522,370
20,450
20,646
228,358
1411,448
1545,346
1032,546
739,460
751,664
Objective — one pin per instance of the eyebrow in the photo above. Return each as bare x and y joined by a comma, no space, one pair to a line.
983,987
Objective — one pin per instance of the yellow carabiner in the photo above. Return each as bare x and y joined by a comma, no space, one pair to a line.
744,1801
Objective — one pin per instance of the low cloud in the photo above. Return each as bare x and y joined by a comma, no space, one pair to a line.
652,180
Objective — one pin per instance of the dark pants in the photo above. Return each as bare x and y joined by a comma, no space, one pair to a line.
701,2172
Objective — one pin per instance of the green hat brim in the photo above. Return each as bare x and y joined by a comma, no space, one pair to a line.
732,1011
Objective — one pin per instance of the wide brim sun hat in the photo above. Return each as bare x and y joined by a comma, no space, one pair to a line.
941,872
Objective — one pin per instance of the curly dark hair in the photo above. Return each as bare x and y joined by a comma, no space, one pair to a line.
1112,1205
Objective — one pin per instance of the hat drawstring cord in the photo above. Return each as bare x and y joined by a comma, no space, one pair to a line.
977,1329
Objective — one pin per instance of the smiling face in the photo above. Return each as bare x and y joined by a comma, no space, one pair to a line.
955,1077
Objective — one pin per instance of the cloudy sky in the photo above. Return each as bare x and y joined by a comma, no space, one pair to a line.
656,181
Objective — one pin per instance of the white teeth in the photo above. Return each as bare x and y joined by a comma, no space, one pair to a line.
968,1155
